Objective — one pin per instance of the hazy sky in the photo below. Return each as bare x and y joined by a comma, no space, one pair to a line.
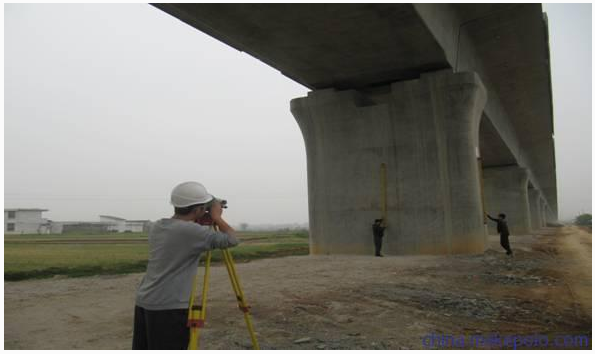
571,65
108,107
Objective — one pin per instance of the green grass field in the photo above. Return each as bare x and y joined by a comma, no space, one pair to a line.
71,255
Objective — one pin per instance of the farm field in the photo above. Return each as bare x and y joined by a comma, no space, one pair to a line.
76,255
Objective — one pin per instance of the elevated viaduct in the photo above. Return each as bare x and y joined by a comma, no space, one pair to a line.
426,114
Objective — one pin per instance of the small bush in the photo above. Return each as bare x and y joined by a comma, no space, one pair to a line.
583,220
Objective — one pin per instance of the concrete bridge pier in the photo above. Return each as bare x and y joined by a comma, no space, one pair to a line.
425,131
506,191
535,208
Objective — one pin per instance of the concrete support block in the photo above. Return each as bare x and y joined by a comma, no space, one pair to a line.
535,209
506,191
426,133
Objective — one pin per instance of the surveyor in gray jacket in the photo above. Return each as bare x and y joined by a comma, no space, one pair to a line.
175,245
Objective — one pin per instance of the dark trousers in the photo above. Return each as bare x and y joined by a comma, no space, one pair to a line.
377,244
504,243
164,329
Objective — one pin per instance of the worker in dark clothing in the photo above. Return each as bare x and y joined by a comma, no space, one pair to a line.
503,231
378,231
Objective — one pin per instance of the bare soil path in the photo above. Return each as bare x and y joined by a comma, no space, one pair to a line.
336,302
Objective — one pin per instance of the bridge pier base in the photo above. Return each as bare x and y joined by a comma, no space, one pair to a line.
543,206
506,191
425,132
550,217
535,208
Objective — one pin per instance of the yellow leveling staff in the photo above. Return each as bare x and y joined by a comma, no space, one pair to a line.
383,191
196,314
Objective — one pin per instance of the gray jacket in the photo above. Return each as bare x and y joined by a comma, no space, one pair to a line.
174,250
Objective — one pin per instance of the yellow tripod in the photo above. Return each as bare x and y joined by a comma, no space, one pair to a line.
196,313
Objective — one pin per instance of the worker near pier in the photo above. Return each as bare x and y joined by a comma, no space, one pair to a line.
502,228
378,231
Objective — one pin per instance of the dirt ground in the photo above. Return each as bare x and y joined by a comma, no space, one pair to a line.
337,302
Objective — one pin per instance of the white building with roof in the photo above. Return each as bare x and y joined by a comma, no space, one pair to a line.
25,221
123,225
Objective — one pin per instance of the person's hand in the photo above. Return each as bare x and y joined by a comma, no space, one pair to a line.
216,210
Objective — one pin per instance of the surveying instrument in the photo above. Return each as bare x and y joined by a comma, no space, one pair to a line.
197,312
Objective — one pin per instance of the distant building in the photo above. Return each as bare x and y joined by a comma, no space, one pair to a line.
64,227
105,224
123,225
29,221
25,221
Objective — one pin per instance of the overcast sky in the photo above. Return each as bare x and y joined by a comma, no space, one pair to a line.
108,107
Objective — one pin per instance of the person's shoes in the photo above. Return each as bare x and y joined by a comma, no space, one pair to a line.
379,255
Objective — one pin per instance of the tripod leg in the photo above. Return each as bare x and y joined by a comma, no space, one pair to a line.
196,313
242,304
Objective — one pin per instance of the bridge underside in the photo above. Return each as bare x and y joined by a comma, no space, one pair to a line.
454,99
